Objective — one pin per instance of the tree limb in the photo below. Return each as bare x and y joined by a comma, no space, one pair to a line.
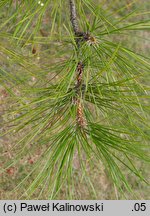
79,38
73,16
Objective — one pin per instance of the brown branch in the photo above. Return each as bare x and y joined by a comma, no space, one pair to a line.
73,16
79,38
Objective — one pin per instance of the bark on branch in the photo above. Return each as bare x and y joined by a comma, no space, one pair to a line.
73,16
79,38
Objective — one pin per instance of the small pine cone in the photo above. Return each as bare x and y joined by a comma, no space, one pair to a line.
34,50
80,117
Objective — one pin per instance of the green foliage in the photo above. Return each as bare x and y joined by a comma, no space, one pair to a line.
38,73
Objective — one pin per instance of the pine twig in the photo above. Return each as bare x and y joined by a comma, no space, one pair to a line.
73,17
80,67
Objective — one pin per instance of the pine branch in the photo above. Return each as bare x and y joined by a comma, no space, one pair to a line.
110,115
80,36
73,16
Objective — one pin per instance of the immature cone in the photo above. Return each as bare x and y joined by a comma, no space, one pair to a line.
80,115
